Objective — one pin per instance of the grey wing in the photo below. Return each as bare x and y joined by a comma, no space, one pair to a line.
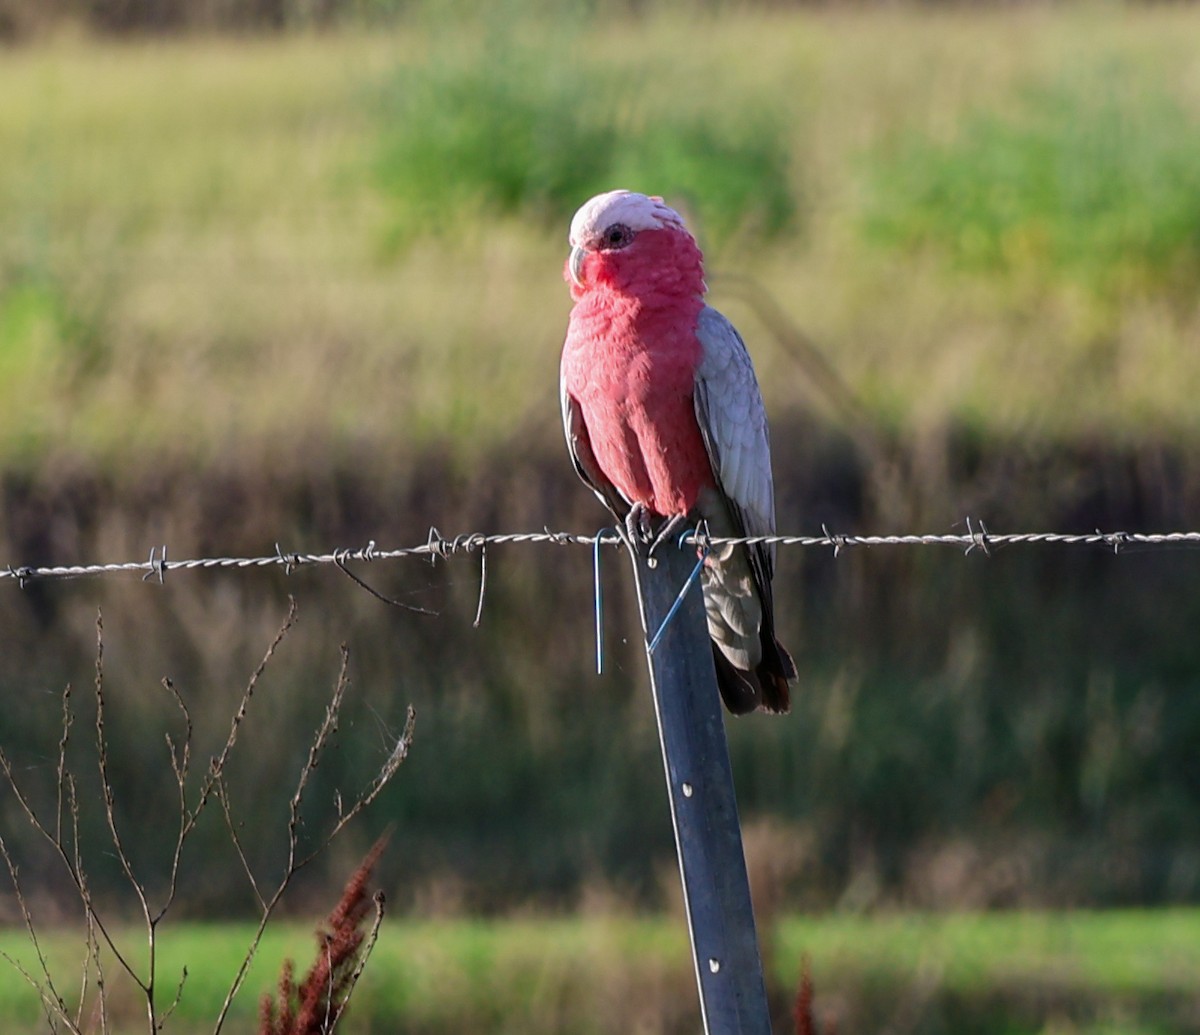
580,447
733,423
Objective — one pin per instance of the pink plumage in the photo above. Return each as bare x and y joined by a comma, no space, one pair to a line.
661,409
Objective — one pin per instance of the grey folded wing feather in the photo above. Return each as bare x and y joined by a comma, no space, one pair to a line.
733,423
580,447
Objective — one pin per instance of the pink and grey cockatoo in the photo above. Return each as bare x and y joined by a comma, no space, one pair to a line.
665,421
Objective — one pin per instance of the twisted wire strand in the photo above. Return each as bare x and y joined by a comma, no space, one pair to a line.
438,546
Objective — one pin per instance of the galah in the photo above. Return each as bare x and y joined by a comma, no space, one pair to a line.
665,422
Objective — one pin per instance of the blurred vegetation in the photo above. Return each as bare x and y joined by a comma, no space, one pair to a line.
532,124
1094,180
307,289
1017,731
182,219
22,19
1117,973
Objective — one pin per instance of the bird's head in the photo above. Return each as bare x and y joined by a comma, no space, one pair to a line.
623,239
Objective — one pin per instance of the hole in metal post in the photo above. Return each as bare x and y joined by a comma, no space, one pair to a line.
714,965
687,790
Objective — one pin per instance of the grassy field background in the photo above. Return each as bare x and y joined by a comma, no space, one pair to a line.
974,216
307,289
1120,973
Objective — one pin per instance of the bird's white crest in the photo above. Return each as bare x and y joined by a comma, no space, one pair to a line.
636,211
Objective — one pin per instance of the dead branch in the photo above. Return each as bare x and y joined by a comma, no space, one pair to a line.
296,861
345,953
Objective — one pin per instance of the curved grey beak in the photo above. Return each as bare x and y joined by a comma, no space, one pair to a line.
575,264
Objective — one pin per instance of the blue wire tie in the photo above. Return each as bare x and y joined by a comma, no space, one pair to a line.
599,602
691,579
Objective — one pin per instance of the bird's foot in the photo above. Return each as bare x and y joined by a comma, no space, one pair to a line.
670,525
639,533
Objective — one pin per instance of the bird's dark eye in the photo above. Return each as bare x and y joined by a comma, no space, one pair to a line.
616,236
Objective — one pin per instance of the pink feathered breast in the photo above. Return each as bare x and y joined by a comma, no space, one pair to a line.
630,363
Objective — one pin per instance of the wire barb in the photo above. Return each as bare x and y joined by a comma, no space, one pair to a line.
23,575
157,563
290,561
836,541
978,539
1114,539
559,538
436,545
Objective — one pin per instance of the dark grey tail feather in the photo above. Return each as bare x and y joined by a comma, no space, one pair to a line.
739,690
776,696
765,688
775,671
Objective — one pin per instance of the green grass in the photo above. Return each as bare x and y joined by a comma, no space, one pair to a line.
1114,972
513,124
223,248
1094,180
1117,952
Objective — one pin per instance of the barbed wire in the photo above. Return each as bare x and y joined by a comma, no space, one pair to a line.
976,538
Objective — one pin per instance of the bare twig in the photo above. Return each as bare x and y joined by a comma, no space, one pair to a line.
67,720
67,850
295,860
52,1003
341,565
63,835
146,984
217,765
180,766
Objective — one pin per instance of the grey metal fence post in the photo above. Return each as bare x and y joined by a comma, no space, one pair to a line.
708,837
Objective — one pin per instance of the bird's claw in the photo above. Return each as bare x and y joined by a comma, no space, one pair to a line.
640,533
638,530
668,526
